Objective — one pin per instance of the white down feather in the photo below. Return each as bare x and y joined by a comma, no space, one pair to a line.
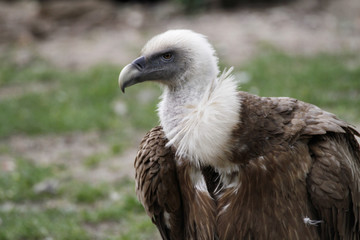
204,129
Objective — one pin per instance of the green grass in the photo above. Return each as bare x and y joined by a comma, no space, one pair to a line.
328,81
87,193
129,205
38,70
17,185
24,214
84,101
43,224
129,222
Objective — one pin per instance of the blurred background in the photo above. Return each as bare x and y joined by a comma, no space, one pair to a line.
68,136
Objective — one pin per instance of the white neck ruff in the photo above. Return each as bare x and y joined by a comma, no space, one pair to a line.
199,124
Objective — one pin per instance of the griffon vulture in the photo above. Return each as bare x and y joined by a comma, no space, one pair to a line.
225,164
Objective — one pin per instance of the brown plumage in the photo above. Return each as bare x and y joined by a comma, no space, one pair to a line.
299,162
225,164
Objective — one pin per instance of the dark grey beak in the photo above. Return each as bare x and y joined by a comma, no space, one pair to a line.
131,73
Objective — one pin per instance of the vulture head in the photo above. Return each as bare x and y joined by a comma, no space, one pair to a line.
195,98
176,58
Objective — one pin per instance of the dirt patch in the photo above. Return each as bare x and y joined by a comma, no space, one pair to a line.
57,148
111,169
236,36
296,28
72,150
13,91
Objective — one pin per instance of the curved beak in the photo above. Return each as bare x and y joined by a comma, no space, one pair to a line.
131,73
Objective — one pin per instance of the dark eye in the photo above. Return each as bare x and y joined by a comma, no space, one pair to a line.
167,56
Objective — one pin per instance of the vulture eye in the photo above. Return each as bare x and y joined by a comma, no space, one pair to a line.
167,56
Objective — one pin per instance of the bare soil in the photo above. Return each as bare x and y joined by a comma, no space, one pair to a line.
79,37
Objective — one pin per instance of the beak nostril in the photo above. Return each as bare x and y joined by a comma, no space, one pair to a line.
139,63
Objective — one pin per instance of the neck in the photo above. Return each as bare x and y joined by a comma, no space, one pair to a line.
175,102
190,119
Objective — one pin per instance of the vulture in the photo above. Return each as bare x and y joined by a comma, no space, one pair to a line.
226,164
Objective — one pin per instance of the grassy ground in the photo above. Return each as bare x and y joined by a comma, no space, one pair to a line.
329,81
48,201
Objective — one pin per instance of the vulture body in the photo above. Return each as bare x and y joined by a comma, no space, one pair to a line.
225,164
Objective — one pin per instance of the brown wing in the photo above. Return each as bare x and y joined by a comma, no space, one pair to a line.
157,185
334,179
334,184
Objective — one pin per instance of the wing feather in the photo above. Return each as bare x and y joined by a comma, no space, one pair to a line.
334,180
157,185
334,184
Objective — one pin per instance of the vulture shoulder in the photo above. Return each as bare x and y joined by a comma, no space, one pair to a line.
157,186
333,180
